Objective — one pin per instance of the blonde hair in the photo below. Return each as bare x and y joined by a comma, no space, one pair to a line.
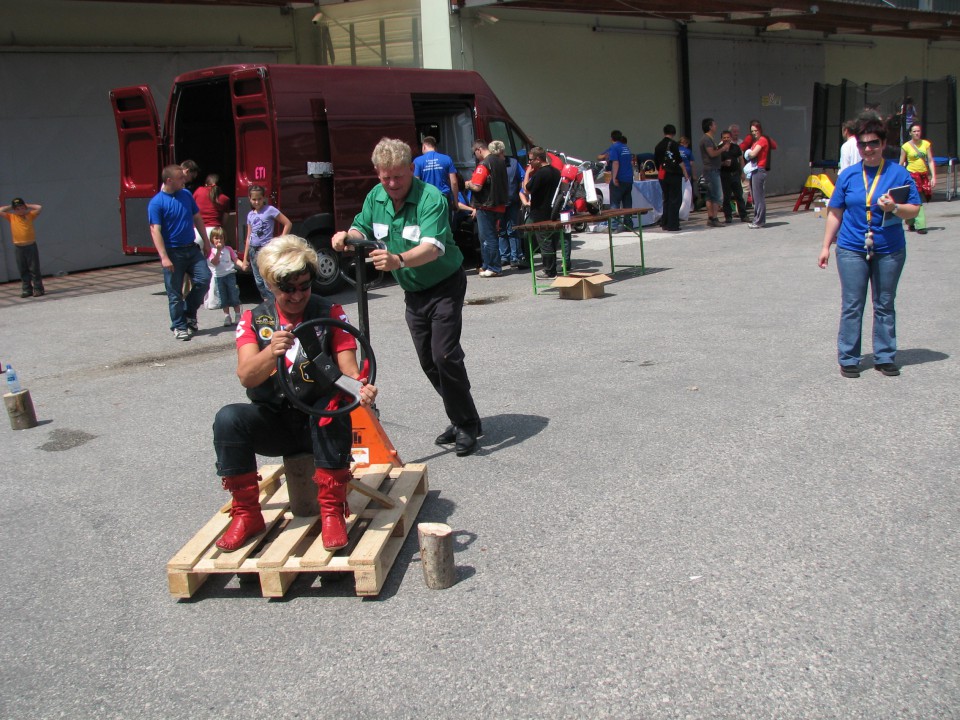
285,257
216,232
496,147
390,153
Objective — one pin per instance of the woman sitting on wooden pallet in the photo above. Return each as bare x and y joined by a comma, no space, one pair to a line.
270,425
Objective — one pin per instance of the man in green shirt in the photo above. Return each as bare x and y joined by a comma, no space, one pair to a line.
411,218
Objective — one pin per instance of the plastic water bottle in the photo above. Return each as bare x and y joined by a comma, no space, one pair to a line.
13,384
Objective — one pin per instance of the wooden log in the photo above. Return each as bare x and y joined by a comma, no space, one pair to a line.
20,409
298,470
436,555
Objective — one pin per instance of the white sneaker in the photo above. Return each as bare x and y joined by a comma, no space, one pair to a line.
227,322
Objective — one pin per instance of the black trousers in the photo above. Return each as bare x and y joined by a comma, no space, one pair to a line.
672,187
732,192
435,319
28,263
244,430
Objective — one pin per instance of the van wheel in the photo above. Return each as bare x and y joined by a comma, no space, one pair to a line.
328,280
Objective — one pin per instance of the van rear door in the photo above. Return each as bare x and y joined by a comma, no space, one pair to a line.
141,159
256,140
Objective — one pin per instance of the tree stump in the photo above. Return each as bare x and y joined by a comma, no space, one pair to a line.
298,470
436,555
20,409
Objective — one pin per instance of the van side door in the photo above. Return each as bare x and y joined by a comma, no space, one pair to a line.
141,159
253,120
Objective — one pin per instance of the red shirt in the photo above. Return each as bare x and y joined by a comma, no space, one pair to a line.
211,212
342,340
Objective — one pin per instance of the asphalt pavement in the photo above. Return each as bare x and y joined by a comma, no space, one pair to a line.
680,508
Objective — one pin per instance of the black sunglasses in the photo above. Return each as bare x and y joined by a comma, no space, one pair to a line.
289,288
868,144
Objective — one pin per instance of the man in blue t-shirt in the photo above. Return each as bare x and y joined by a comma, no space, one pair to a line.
620,160
437,169
174,216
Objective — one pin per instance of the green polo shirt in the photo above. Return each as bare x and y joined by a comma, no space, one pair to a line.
423,218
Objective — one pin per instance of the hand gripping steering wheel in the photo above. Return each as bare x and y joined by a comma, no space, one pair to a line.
321,367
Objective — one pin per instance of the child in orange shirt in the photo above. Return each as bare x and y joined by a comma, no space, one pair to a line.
21,216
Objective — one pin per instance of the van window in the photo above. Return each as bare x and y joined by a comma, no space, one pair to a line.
450,121
511,137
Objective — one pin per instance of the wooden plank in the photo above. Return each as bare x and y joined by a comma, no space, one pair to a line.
185,584
378,533
280,550
188,556
275,584
367,481
272,512
369,582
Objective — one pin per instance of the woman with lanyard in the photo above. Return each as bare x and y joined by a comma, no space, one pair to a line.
915,155
865,222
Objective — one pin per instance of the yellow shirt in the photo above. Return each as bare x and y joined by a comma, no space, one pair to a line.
917,158
21,226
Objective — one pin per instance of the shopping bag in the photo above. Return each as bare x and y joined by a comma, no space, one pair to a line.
686,205
920,223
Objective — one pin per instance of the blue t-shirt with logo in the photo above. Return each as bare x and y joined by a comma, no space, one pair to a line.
851,196
435,169
619,151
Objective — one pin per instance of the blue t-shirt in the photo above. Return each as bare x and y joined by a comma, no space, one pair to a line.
619,151
850,195
435,169
686,154
174,214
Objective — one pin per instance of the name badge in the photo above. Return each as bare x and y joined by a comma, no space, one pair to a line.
380,231
412,233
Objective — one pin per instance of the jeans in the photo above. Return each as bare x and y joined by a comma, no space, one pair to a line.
261,285
672,188
186,260
511,246
882,272
489,242
621,196
228,290
244,430
733,195
758,188
714,186
28,263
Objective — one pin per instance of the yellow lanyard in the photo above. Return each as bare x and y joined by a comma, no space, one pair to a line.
868,235
871,189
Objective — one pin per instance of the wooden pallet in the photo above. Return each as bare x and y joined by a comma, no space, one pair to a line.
291,545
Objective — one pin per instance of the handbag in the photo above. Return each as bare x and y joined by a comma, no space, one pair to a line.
648,171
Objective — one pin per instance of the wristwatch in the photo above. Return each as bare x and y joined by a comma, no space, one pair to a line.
400,258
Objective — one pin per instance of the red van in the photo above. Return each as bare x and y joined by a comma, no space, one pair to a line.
304,132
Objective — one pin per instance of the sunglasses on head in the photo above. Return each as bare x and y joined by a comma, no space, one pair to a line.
868,144
289,288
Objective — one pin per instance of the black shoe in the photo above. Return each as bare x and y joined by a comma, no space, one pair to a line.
192,326
713,222
728,220
466,441
921,232
38,293
26,293
850,371
888,369
447,436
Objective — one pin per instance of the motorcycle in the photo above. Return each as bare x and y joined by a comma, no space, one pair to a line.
577,188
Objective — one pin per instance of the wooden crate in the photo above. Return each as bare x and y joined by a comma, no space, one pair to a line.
291,545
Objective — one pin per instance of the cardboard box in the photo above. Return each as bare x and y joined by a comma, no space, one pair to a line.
580,285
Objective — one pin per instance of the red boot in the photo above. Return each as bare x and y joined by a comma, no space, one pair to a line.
332,497
247,518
